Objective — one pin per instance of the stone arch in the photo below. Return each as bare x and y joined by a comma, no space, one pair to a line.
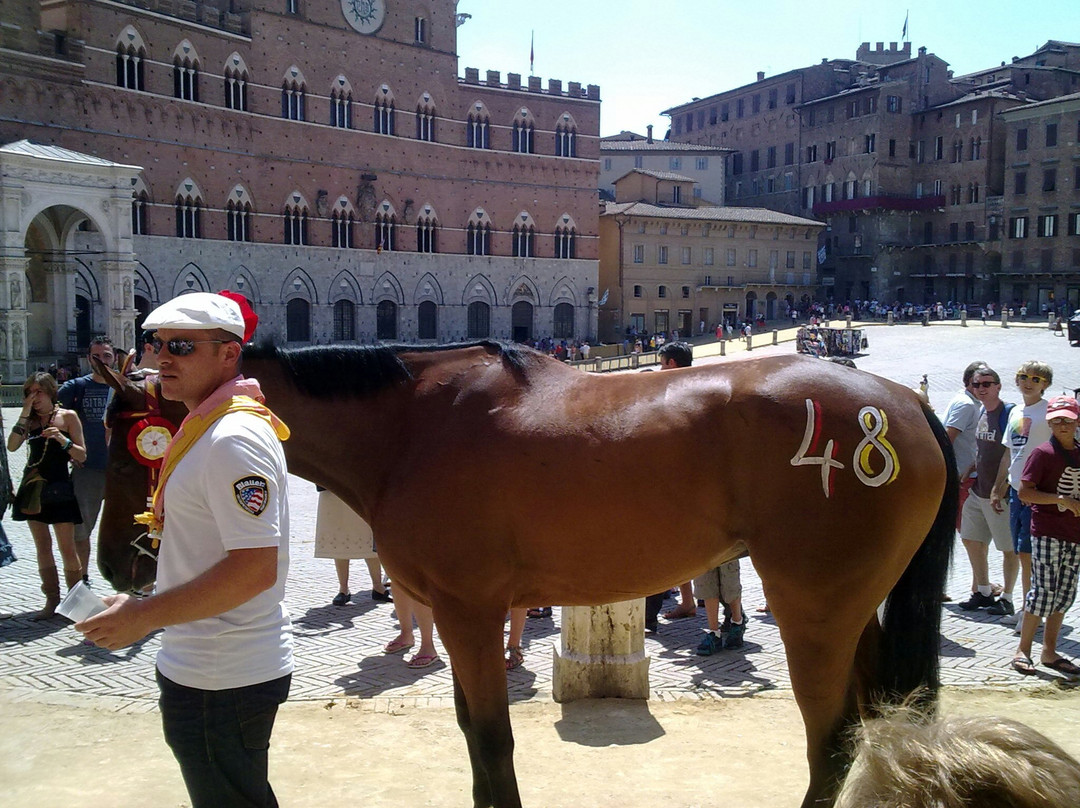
523,288
387,287
145,283
185,52
428,288
130,38
344,286
299,284
244,281
190,278
563,292
294,77
479,289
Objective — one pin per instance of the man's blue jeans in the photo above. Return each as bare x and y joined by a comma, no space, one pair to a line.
221,739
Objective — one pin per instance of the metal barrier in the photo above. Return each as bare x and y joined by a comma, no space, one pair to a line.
11,395
631,361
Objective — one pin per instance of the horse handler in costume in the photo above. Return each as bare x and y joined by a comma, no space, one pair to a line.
221,512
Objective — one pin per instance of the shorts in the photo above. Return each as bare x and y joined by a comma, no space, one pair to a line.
965,489
1019,522
1054,567
980,522
721,582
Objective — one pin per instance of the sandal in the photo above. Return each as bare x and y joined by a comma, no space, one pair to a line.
1023,664
514,657
397,646
422,660
1063,665
539,611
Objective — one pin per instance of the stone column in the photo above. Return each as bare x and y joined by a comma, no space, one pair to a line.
14,310
602,653
1005,318
118,299
963,317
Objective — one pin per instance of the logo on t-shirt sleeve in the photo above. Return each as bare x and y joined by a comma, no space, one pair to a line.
252,494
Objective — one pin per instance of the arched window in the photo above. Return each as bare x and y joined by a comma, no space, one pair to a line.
130,58
427,231
385,229
386,320
478,239
478,127
140,200
293,95
384,111
564,321
428,320
566,136
298,320
344,321
296,220
238,220
341,223
522,137
479,320
188,211
566,236
236,81
522,245
341,104
186,72
425,119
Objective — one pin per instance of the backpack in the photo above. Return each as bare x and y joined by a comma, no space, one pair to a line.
1003,421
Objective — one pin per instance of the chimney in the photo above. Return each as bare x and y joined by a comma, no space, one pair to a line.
761,75
648,135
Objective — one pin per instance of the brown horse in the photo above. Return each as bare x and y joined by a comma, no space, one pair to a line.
837,483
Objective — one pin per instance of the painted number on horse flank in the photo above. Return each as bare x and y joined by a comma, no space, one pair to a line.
874,424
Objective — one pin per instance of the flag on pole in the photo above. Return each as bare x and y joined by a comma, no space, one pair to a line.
603,298
821,254
904,34
532,49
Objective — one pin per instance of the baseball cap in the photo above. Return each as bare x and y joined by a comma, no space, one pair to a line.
199,311
1062,407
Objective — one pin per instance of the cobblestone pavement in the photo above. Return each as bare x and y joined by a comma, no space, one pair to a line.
339,650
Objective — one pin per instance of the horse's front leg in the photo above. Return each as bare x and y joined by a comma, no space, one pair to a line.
474,639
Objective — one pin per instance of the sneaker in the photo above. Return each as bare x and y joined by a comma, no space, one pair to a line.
1002,607
1013,619
977,601
734,638
710,644
341,598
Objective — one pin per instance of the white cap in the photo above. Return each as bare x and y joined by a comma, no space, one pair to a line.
198,311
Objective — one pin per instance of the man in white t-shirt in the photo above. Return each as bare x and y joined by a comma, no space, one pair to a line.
1027,428
226,661
960,422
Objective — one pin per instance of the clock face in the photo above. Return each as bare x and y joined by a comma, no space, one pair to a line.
366,16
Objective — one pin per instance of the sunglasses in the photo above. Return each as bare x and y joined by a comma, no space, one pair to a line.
1023,377
180,347
984,385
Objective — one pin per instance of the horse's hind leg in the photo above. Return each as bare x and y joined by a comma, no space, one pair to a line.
821,658
474,642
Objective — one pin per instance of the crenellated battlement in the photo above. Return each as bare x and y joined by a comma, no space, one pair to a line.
493,78
880,55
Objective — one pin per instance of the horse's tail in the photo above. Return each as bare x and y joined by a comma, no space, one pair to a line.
909,647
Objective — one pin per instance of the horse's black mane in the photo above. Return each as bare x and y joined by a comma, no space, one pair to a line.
323,371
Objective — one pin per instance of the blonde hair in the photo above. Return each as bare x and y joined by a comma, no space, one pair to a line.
905,761
1035,368
43,380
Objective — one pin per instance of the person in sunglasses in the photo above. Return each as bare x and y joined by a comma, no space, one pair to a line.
221,512
982,519
1050,483
1027,428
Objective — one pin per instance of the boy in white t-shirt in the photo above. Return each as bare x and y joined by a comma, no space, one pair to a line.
1027,428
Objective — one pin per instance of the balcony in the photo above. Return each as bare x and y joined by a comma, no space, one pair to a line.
908,203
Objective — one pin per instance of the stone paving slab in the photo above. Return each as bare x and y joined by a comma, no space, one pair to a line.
339,650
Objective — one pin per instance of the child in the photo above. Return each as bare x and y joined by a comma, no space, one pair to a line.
1050,483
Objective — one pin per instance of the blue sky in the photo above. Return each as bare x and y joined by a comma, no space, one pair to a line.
648,56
